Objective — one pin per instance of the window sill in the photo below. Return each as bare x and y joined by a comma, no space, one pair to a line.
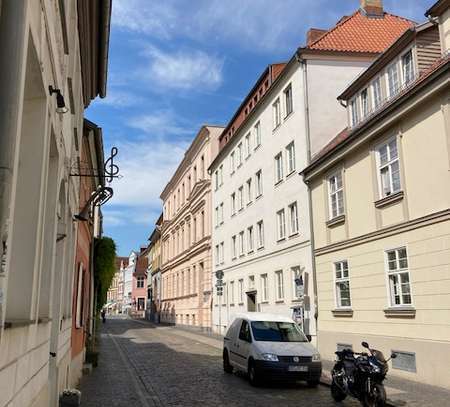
250,251
400,312
258,146
338,220
297,300
288,115
278,182
390,199
232,305
249,203
342,312
294,234
233,214
281,239
291,174
241,303
257,197
260,248
276,128
264,302
279,302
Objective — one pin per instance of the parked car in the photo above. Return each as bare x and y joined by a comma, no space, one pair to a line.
272,347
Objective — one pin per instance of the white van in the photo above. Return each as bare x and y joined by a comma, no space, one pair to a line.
272,347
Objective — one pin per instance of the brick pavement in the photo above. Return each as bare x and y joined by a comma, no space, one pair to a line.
141,365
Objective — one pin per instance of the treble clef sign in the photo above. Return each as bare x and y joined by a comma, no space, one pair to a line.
111,169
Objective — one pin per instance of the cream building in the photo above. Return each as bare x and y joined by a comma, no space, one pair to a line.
261,234
44,43
381,212
186,235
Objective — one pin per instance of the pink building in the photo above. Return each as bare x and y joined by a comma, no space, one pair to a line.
139,284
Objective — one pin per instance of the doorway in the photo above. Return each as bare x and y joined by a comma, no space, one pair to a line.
251,301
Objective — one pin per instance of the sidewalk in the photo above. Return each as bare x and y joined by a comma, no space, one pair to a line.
400,392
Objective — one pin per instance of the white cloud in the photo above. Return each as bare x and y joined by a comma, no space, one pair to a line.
183,69
120,98
159,124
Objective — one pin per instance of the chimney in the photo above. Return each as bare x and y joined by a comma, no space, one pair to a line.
314,34
372,8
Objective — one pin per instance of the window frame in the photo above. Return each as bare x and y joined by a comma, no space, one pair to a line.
335,174
392,93
389,164
377,103
398,272
281,226
257,129
264,280
258,183
339,280
288,91
233,247
248,146
250,240
290,159
260,234
279,284
241,243
249,191
402,67
276,113
279,170
292,231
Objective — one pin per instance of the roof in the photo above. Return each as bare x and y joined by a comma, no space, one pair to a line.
438,8
141,265
260,316
361,33
346,135
119,261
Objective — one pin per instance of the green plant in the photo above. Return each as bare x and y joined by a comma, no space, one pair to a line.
104,268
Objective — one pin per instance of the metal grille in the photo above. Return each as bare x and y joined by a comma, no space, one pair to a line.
290,359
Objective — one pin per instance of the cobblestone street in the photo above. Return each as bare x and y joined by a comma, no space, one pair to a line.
143,365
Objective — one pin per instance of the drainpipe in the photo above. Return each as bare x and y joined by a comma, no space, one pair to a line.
12,75
304,65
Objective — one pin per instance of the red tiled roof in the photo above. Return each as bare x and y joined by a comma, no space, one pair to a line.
360,33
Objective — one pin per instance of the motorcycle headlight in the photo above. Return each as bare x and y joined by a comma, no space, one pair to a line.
270,357
375,367
316,357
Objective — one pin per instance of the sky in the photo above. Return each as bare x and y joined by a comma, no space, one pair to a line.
177,64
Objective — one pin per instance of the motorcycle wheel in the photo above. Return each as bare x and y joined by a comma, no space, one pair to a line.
336,392
377,398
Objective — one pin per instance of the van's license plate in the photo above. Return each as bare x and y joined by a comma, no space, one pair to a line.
298,368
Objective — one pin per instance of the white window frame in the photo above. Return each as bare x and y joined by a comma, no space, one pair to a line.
393,92
232,163
221,175
336,193
250,240
231,292
290,158
279,285
264,287
402,66
389,164
341,267
241,290
279,167
376,89
249,191
258,183
293,218
233,203
248,146
281,224
365,107
398,271
239,155
216,213
276,108
296,271
222,252
241,198
288,100
217,255
233,247
221,216
257,130
260,234
354,113
241,243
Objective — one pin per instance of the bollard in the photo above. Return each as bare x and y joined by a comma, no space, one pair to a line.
70,398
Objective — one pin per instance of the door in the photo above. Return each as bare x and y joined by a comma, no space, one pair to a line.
243,344
251,302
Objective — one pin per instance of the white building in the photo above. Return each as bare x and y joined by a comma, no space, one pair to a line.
261,214
128,281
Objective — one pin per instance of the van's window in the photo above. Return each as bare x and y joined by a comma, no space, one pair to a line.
244,333
277,332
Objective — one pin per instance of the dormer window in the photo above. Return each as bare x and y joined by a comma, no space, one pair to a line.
376,92
364,103
354,112
393,81
407,67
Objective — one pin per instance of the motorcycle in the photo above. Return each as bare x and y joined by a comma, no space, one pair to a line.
360,375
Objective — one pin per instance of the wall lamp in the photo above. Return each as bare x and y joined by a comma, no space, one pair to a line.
60,103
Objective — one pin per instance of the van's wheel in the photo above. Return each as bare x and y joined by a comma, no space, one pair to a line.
227,368
336,392
253,376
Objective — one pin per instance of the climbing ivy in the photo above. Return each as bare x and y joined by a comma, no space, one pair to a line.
104,267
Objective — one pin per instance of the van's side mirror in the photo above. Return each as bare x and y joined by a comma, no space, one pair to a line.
393,355
365,345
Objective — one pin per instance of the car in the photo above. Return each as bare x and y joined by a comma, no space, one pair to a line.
271,347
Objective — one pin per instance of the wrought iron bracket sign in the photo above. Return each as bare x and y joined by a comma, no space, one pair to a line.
110,169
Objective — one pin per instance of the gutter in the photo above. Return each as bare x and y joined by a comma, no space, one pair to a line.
104,43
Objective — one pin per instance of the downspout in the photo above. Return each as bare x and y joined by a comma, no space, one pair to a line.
12,77
304,65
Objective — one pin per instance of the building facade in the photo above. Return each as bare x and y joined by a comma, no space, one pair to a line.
261,230
45,44
155,258
381,210
186,236
139,284
128,273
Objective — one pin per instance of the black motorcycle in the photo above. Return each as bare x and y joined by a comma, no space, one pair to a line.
360,375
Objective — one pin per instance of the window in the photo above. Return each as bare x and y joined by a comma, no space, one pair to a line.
278,168
233,247
297,282
259,189
408,67
216,179
257,135
244,333
250,239
364,103
354,112
202,167
293,218
232,163
251,282
393,83
241,243
249,191
233,204
216,211
240,198
231,292
290,151
221,175
336,195
398,275
288,100
276,114
239,155
388,168
376,91
281,225
140,282
221,213
217,255
342,282
247,146
264,288
279,284
241,291
260,234
222,252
